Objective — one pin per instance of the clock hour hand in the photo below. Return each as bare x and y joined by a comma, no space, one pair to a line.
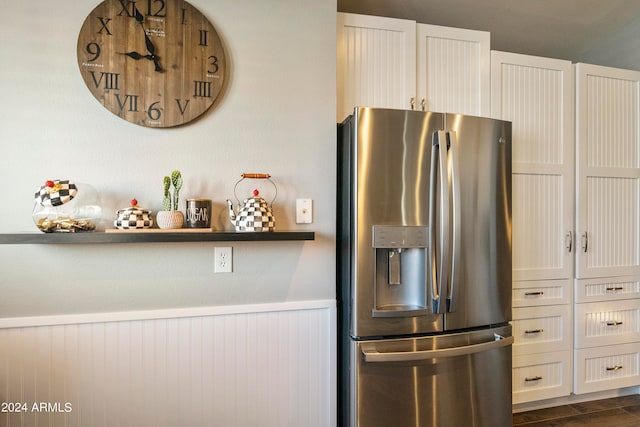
136,55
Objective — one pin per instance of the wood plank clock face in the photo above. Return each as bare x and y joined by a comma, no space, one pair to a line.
155,63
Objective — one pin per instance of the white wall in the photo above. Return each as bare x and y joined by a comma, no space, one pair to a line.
277,116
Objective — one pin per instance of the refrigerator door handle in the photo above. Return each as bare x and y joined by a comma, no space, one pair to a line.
373,356
432,275
439,273
452,288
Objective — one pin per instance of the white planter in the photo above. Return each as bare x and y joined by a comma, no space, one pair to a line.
170,219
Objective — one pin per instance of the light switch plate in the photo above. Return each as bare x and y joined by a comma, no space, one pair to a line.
304,211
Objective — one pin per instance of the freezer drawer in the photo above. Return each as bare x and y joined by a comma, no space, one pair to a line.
461,379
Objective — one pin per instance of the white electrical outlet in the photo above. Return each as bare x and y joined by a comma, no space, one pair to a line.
223,259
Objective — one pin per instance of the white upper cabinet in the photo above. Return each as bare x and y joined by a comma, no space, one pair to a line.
454,70
607,171
381,60
536,95
376,62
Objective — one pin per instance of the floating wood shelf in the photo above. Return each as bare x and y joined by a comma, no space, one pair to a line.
93,237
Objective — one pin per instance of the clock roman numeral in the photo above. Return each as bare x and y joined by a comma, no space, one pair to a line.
110,80
203,38
128,8
131,100
181,107
104,22
201,89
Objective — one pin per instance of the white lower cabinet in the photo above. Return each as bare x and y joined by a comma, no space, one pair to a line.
541,376
607,333
541,293
542,340
607,367
541,329
607,323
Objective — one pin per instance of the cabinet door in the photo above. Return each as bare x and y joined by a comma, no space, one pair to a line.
536,95
608,171
376,63
454,70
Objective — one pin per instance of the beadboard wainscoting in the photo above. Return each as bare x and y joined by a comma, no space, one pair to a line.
259,365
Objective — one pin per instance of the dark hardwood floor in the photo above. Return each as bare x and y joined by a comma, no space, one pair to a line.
619,412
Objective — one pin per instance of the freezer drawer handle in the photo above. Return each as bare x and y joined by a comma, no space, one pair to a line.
410,356
536,378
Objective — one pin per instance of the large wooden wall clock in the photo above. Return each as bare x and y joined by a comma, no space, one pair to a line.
155,63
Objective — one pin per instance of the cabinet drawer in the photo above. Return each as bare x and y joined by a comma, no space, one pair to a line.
607,323
541,376
607,288
542,292
603,368
541,329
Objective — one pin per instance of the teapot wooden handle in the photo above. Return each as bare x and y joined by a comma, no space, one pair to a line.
256,175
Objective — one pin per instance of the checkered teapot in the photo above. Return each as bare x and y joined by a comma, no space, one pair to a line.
255,214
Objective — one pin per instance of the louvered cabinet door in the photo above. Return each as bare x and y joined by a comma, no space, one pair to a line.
608,171
536,95
376,63
454,70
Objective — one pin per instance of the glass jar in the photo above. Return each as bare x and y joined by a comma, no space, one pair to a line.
76,212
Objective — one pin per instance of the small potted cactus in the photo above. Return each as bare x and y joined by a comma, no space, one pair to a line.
170,216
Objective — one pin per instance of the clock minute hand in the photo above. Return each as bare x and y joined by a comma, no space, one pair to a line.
152,50
139,17
150,47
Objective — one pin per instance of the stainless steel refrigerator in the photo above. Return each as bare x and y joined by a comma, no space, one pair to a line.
424,270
